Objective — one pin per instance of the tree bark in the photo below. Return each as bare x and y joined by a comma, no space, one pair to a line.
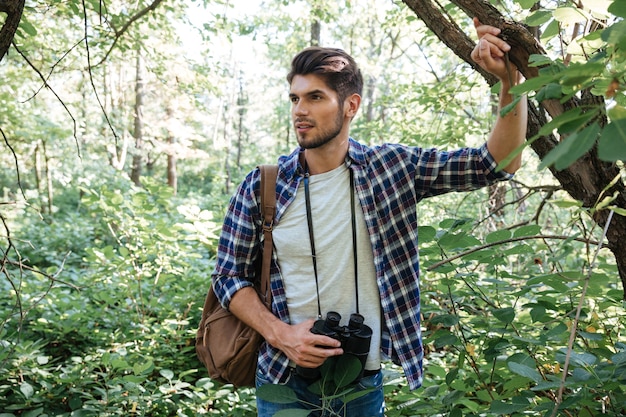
586,179
14,10
135,174
172,172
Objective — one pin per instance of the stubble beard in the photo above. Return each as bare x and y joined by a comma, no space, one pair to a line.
325,136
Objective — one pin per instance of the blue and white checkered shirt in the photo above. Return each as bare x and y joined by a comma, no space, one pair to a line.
390,180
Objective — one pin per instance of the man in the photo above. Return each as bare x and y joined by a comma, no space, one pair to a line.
314,269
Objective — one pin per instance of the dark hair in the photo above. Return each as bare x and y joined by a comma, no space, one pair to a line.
335,66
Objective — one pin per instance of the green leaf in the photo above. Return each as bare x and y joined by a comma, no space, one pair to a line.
511,106
566,203
141,368
452,397
446,320
617,112
501,408
618,8
505,315
456,412
538,18
612,143
580,73
117,199
426,233
27,389
571,148
276,393
292,412
525,371
451,376
497,236
446,340
619,358
598,6
615,34
557,122
347,369
539,60
526,4
528,230
533,84
27,27
166,373
570,15
537,313
356,394
581,358
551,91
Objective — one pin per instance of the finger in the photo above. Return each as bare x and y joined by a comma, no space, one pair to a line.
485,48
485,54
482,29
497,44
326,342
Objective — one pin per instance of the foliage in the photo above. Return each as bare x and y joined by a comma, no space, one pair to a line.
115,337
336,383
510,325
593,62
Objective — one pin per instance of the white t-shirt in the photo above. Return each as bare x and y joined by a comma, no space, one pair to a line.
332,226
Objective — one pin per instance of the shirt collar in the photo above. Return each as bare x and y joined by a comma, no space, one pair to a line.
291,163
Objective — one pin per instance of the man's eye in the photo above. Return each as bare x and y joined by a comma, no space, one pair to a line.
294,99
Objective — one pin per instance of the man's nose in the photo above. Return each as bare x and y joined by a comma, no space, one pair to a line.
300,109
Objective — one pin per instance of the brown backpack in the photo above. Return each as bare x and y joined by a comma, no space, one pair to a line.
225,345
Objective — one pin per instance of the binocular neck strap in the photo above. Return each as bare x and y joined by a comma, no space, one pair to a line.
309,219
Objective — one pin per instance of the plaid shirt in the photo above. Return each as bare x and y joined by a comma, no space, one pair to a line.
390,180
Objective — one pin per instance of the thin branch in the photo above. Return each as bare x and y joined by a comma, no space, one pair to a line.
17,166
574,326
75,134
133,19
18,302
502,242
93,85
52,69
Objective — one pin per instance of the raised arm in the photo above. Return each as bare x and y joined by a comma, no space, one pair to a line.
509,132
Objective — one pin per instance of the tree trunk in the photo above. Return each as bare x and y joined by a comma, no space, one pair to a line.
49,183
135,174
241,111
13,9
586,179
316,29
172,173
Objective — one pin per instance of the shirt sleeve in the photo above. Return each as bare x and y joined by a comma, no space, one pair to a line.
239,241
464,169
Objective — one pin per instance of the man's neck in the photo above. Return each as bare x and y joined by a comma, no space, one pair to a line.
327,157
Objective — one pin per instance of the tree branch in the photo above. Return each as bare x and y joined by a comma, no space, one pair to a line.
17,165
502,242
45,82
133,19
13,9
93,85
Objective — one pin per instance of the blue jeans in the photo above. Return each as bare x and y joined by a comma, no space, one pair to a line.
371,404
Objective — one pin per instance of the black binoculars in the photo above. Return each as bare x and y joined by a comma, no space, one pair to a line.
355,339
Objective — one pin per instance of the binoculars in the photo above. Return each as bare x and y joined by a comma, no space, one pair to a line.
355,339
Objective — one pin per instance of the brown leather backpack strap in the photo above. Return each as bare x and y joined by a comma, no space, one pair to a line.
269,174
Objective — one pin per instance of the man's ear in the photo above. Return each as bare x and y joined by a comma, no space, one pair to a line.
352,105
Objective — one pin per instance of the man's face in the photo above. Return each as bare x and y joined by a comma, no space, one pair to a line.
317,114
